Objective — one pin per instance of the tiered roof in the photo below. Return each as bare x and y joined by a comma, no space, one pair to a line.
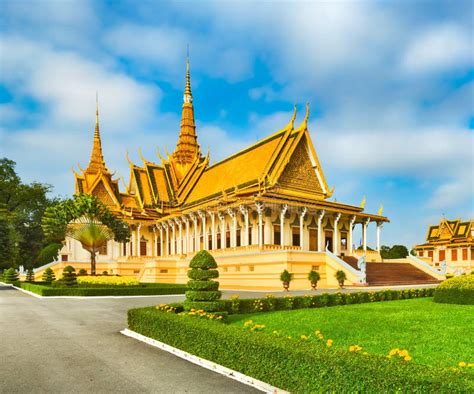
283,167
449,232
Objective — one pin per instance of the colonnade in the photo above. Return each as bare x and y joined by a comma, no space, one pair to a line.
289,227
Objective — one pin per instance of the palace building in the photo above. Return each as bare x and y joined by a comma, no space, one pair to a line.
450,241
260,211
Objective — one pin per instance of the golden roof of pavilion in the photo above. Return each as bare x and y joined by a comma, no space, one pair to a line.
282,168
449,233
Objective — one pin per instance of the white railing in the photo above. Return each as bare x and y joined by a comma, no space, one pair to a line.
360,274
45,266
424,264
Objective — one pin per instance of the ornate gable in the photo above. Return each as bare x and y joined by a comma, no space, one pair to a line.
299,174
101,192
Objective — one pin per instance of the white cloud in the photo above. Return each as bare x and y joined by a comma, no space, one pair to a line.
453,193
438,49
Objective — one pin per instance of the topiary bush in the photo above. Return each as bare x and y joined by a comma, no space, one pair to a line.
202,292
69,276
48,275
82,272
30,275
459,290
341,277
10,275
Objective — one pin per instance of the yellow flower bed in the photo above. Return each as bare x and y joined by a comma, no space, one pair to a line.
108,280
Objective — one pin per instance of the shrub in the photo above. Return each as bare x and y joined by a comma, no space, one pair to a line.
69,276
293,365
48,254
449,276
10,275
203,293
459,290
341,277
82,272
105,273
313,278
30,275
48,275
286,278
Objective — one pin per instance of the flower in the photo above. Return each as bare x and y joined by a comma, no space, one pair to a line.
304,338
248,323
462,364
403,353
407,358
329,342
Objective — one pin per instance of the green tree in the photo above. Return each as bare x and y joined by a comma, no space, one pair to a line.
87,220
394,252
21,209
314,278
341,277
69,276
202,291
10,275
286,278
48,254
48,275
30,275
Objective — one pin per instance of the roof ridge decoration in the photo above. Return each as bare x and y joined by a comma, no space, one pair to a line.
97,163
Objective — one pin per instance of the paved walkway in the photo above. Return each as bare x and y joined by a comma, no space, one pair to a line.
74,345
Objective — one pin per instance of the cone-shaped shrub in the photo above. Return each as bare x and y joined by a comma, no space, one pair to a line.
202,291
30,275
69,276
10,275
48,275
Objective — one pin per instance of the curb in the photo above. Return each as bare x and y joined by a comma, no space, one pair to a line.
221,370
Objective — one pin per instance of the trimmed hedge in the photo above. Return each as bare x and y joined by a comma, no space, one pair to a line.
458,290
202,275
152,289
203,285
270,303
293,365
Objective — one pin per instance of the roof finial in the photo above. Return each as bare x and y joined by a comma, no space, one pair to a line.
306,116
96,132
188,97
293,117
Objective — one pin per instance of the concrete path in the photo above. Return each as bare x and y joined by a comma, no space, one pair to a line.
74,345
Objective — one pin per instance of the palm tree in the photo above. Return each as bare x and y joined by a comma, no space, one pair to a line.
87,220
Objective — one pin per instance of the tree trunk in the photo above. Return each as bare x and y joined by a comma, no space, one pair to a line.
92,263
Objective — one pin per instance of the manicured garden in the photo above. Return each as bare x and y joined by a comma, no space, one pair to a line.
433,334
385,341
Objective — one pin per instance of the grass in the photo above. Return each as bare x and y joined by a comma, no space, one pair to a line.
434,334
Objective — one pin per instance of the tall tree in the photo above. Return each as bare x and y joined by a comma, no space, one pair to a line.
87,220
21,208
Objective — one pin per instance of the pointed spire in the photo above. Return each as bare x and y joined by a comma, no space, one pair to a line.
96,162
187,148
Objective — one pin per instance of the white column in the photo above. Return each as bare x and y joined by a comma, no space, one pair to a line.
162,250
284,208
179,248
167,239
260,209
223,232
196,239
205,243
320,231
233,230
138,249
155,241
302,215
186,248
244,240
379,227
350,240
336,234
213,230
364,234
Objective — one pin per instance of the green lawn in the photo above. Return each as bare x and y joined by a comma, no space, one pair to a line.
434,334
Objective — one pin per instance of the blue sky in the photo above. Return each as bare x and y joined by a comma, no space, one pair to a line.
390,86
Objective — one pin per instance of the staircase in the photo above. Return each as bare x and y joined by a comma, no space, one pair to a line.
386,274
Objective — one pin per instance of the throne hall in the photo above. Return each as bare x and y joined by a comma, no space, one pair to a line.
260,211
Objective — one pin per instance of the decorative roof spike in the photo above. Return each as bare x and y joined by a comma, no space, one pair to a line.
306,116
293,117
380,211
97,162
362,203
187,148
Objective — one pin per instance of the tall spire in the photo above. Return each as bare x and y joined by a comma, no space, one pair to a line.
187,148
96,162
